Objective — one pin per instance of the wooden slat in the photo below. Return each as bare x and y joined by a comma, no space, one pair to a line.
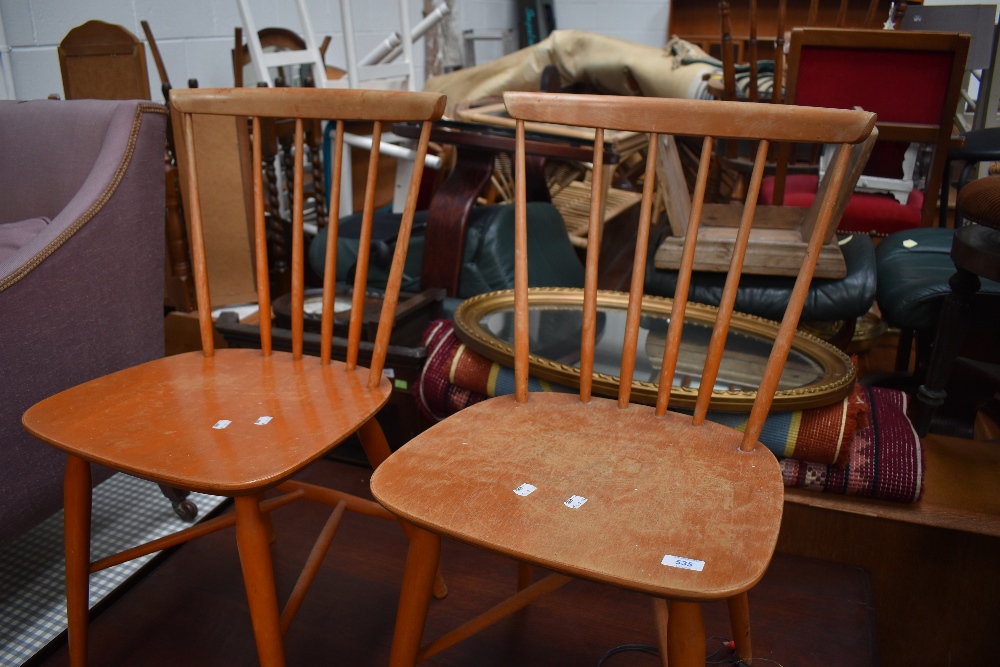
520,269
316,103
638,276
673,341
260,241
364,251
298,263
713,356
330,261
589,326
752,51
694,117
198,244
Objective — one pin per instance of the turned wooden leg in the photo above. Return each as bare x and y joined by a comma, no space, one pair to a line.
685,635
525,575
258,577
77,499
662,618
377,450
418,580
739,620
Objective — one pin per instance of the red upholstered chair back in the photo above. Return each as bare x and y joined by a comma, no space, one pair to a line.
911,80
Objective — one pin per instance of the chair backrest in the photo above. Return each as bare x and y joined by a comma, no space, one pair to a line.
103,61
362,72
711,120
911,80
847,16
306,104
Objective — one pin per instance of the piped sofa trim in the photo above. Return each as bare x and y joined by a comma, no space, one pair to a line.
98,204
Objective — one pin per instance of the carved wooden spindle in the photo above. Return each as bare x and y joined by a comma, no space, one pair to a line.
315,138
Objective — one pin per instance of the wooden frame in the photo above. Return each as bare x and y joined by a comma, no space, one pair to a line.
119,72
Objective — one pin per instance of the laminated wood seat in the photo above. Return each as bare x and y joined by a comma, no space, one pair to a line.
634,496
239,422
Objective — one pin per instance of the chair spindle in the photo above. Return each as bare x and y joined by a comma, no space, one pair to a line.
721,329
842,13
391,297
589,323
779,53
198,245
871,19
330,261
364,251
634,313
520,270
752,51
672,345
260,241
786,332
298,261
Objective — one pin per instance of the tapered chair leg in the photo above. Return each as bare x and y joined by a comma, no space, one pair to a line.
662,617
739,620
377,450
77,499
258,577
418,580
685,635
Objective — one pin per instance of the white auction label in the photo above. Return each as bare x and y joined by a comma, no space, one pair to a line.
574,502
525,489
262,420
222,423
683,563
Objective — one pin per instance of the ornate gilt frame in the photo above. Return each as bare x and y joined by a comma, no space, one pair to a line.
835,384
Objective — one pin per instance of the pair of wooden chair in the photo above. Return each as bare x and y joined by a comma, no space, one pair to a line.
635,496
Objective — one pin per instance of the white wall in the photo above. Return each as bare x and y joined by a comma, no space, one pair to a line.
195,36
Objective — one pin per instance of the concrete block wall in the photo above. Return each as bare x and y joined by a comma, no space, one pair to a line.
195,36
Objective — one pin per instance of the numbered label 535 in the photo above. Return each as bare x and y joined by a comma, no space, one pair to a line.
683,563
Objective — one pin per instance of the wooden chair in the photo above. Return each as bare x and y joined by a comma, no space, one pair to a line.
238,422
630,495
103,61
911,79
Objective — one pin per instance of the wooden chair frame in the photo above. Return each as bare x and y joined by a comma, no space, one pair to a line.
938,134
467,506
316,403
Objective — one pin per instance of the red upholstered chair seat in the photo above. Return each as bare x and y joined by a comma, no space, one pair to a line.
866,213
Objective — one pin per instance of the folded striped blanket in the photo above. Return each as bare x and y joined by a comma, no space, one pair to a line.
862,445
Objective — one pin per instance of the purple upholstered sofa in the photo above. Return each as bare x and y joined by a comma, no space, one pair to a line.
81,270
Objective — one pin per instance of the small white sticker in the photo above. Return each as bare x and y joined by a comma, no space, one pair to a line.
683,563
909,243
525,489
574,502
389,373
222,423
262,420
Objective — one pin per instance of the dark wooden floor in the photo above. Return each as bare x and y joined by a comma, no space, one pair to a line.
190,610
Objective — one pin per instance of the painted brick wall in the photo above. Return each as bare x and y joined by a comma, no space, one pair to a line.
195,36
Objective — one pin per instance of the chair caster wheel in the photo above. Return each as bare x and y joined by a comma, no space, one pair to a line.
185,509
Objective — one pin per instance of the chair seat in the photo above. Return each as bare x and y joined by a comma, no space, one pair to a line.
156,420
653,487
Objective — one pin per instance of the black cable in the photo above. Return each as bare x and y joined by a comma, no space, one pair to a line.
645,648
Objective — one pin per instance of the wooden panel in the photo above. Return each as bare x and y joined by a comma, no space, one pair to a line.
227,217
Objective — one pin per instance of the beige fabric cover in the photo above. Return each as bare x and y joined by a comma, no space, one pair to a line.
613,66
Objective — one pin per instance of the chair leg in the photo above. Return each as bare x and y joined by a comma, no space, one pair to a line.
739,620
685,635
258,577
377,450
662,617
77,499
418,580
953,324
